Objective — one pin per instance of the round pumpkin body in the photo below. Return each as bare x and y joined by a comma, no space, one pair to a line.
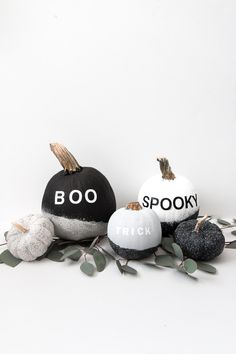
30,237
134,234
173,199
202,245
79,203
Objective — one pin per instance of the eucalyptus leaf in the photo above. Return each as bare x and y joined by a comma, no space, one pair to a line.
99,260
223,222
231,245
107,253
167,244
205,267
76,256
70,251
87,268
233,232
178,251
7,258
128,269
91,251
164,260
94,242
55,256
190,265
119,266
5,234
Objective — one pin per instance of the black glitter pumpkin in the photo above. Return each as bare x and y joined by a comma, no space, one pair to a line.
200,240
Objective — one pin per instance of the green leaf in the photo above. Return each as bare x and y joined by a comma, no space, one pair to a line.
55,256
128,269
190,265
231,245
205,267
233,232
119,266
223,222
94,242
99,260
76,256
7,258
87,268
71,251
91,251
107,253
178,251
167,244
164,261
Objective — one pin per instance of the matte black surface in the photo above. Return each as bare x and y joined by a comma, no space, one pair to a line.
87,178
205,245
169,228
128,253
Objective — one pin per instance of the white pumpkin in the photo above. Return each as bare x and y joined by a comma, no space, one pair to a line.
172,197
30,237
134,232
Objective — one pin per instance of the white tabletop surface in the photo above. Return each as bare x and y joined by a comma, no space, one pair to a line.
49,307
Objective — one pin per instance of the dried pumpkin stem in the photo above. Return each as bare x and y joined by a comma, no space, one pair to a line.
66,159
166,169
200,223
134,206
20,228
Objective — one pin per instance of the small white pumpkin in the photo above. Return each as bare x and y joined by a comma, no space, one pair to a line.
30,237
172,197
133,232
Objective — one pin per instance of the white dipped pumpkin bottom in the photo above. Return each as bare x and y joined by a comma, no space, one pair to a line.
173,199
134,234
30,237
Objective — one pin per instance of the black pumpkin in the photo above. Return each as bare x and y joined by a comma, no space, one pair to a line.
200,240
78,200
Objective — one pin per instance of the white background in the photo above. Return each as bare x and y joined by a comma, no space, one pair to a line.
117,82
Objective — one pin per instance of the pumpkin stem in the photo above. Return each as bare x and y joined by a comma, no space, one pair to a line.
20,228
134,206
66,159
200,223
166,169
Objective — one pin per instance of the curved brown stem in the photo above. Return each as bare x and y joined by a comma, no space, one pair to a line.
134,206
166,169
200,223
66,159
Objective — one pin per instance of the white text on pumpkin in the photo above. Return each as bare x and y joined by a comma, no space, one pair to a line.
76,196
131,231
